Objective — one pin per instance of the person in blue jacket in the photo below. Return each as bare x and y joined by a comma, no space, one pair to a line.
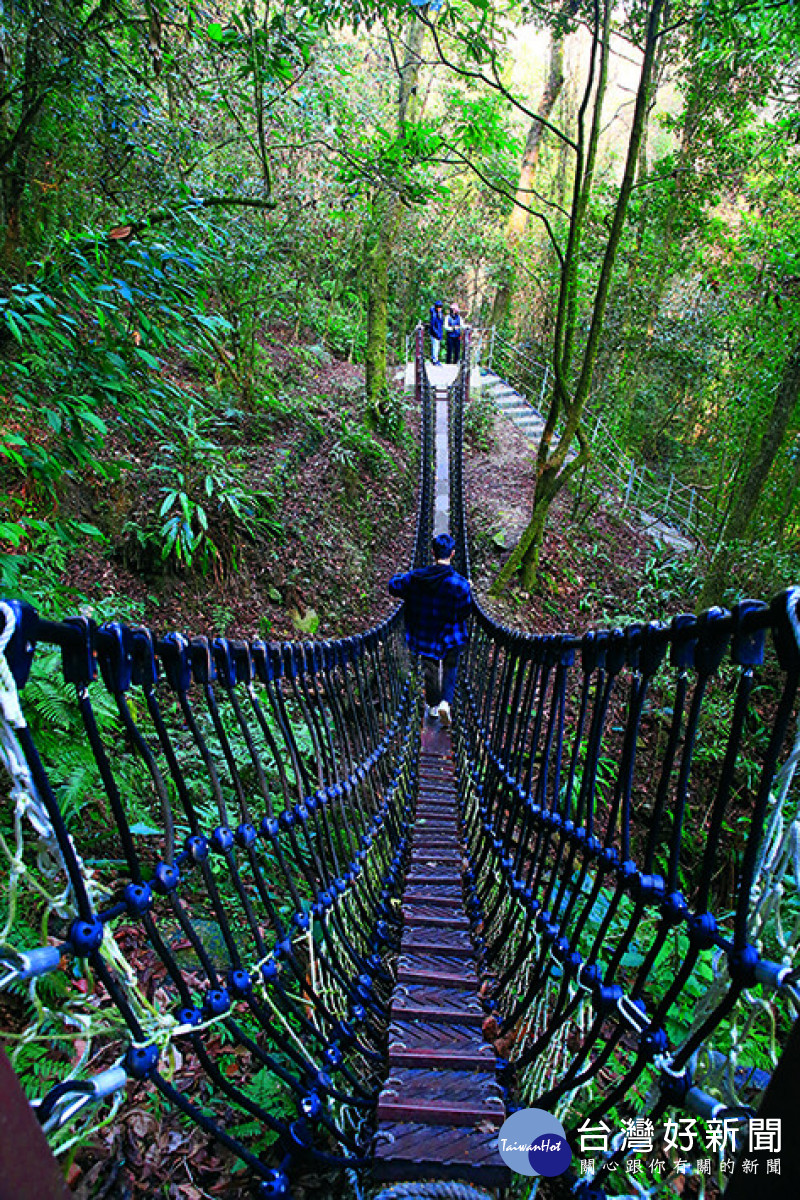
452,329
436,605
436,327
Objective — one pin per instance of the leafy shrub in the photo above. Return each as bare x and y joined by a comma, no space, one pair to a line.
83,343
206,503
479,423
33,566
345,332
389,417
760,568
356,451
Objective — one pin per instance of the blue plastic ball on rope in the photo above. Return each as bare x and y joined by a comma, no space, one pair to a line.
276,1184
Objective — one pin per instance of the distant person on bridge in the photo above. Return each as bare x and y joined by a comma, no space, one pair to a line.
436,604
452,329
436,328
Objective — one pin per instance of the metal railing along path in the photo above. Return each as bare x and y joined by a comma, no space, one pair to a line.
666,506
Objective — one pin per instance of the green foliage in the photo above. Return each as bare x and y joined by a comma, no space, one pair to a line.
86,339
33,567
479,423
60,737
308,623
206,502
760,567
269,1092
356,451
664,585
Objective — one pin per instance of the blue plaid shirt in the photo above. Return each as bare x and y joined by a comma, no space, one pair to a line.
436,604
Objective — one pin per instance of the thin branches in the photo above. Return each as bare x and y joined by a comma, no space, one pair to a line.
495,84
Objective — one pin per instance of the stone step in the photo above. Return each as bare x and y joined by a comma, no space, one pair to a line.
508,401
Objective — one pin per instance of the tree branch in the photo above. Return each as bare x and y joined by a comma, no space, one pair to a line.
130,229
495,84
508,196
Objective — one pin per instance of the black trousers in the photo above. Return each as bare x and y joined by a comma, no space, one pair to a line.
453,349
439,677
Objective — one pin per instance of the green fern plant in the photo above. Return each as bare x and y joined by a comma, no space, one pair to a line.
58,731
271,1094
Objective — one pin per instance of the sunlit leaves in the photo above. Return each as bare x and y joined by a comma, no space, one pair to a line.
397,161
267,47
479,123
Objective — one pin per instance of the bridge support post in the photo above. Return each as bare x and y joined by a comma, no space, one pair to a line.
28,1169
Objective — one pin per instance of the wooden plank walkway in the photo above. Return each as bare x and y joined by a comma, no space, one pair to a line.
440,1107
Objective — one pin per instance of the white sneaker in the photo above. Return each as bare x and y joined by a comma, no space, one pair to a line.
444,714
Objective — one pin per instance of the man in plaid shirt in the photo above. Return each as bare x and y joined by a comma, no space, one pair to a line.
436,604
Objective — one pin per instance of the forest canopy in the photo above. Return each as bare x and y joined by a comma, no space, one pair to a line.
612,186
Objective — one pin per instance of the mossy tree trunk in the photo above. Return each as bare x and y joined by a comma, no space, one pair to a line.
554,469
748,494
386,222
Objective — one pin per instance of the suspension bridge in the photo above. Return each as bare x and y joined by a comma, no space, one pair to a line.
582,899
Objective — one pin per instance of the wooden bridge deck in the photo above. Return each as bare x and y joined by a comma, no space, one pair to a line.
440,1107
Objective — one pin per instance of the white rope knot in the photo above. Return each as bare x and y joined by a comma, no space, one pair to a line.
9,697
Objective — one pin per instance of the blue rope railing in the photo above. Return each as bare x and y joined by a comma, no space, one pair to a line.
282,777
627,800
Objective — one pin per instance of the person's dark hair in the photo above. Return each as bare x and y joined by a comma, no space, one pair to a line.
443,545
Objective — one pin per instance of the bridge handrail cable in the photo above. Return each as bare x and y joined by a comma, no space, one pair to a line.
590,873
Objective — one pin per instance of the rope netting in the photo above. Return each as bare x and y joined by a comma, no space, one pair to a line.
229,940
230,934
635,844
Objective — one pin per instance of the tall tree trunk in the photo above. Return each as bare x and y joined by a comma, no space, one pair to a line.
16,148
519,217
752,483
628,369
553,470
387,218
